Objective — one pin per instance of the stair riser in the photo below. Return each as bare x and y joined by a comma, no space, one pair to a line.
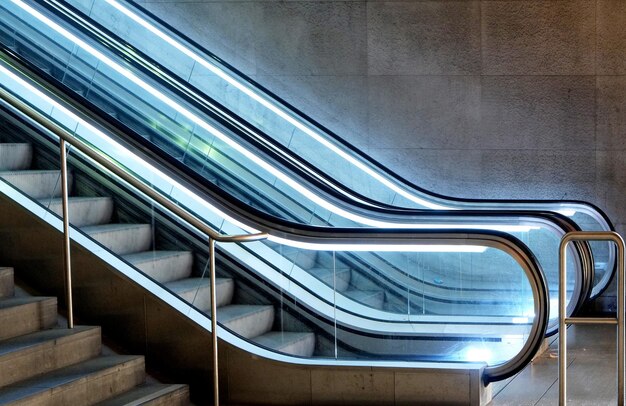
152,394
178,397
125,241
28,318
7,288
85,213
374,300
35,184
50,355
252,325
14,157
201,297
91,389
302,348
168,269
340,280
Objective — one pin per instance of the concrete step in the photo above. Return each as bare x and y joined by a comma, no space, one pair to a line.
371,298
339,277
85,383
24,315
248,321
197,291
37,353
294,343
122,238
7,287
152,395
305,259
163,266
38,184
15,156
84,211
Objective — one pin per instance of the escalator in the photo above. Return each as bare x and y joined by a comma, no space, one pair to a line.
141,263
202,141
286,132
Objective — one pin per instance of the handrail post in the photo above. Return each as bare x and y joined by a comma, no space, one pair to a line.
618,320
67,264
216,393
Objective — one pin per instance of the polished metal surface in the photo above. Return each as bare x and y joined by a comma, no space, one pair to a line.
564,321
591,320
216,388
66,237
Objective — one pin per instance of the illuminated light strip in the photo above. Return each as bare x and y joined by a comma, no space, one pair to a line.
276,110
249,155
119,147
178,186
416,247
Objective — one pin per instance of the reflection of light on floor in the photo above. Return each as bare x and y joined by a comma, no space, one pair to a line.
519,320
476,354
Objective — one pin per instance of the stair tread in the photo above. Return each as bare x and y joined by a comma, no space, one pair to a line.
145,256
23,300
277,339
27,171
362,294
143,393
102,228
194,283
58,200
321,272
233,312
63,376
34,339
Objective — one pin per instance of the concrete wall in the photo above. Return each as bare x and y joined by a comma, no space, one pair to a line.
484,99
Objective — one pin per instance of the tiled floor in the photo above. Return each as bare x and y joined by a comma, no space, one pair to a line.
591,372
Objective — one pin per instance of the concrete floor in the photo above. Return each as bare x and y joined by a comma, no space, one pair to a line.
591,372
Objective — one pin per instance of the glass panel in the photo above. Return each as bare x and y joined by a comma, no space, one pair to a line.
297,133
328,299
211,149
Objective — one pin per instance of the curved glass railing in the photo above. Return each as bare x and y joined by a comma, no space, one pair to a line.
501,322
209,148
292,134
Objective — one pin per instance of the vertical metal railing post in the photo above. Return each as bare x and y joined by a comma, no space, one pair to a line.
564,320
67,263
216,393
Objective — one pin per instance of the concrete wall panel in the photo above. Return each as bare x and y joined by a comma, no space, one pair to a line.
335,99
538,37
537,112
312,38
430,37
611,20
611,113
423,111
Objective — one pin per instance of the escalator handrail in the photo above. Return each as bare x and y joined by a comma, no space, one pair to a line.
197,98
242,210
162,74
280,101
498,240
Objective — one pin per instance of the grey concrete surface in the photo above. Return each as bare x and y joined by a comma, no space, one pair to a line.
477,99
591,372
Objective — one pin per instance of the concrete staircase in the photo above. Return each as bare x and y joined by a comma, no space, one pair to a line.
134,242
335,273
42,363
